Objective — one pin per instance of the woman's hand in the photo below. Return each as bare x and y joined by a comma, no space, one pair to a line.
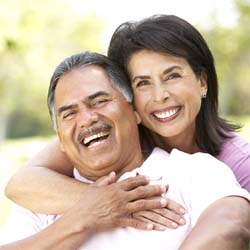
108,204
171,216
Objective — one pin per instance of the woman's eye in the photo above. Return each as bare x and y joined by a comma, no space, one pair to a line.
173,76
142,83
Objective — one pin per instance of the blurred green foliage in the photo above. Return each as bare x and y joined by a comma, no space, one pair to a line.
36,35
231,49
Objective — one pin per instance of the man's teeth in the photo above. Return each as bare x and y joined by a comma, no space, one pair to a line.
93,137
166,114
95,144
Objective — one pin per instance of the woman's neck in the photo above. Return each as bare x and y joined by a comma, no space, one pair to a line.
185,143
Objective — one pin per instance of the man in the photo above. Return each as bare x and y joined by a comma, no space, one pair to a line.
86,96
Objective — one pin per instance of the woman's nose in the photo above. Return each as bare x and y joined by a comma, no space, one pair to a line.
160,93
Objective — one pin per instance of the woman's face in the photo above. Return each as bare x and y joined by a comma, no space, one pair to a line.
167,94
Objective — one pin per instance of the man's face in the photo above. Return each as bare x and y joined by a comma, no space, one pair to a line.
97,127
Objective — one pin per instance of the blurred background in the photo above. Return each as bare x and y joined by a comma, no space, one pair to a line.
36,35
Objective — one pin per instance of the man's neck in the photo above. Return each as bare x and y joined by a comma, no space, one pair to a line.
128,161
135,162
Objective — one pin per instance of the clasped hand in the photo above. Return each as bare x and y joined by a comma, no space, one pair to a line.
108,204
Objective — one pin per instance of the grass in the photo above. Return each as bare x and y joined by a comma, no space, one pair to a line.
14,153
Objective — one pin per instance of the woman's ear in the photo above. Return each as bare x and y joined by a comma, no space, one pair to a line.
203,83
138,118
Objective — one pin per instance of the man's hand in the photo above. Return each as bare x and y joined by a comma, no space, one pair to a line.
170,216
110,206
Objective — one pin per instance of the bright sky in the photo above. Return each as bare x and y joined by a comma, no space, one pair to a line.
194,11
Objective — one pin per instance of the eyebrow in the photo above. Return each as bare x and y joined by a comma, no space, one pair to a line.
89,98
66,107
97,94
166,71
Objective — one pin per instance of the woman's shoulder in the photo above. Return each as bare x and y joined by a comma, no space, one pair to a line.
236,154
235,145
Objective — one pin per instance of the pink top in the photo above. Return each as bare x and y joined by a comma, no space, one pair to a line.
236,154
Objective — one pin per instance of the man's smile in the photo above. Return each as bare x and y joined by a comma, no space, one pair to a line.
95,135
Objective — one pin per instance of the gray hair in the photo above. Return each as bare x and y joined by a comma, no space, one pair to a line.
118,79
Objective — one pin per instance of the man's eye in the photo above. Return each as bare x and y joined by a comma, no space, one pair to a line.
99,102
69,115
142,83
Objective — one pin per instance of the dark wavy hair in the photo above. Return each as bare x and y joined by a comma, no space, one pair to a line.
172,35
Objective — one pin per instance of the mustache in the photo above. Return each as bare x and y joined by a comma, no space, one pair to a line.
92,130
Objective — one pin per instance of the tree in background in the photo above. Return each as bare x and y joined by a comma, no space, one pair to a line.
35,36
231,47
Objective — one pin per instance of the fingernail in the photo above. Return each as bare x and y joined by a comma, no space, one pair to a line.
161,228
163,202
112,174
163,188
150,226
182,210
182,221
174,225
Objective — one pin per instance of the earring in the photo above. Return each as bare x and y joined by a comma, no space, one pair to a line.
204,95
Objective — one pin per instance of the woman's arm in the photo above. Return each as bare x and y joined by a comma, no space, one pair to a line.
46,177
59,235
223,225
88,216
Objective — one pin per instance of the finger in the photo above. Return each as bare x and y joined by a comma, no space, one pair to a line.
106,180
146,216
142,205
158,226
135,223
149,191
175,207
165,213
166,218
134,182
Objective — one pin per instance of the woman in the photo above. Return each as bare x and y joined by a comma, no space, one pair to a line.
192,124
176,94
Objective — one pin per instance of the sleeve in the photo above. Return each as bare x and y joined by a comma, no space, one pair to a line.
236,154
21,224
240,163
211,180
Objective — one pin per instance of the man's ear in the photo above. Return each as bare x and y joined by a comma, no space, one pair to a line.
60,140
138,118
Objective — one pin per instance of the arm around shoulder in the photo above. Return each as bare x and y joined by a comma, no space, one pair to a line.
46,177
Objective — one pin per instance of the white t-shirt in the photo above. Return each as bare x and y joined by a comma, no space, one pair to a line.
195,181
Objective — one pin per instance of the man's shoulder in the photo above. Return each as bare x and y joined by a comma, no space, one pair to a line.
197,163
178,157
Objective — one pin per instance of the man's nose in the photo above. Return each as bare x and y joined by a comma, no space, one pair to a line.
87,117
160,93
